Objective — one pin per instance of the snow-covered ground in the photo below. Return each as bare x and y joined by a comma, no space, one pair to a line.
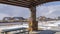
49,24
43,25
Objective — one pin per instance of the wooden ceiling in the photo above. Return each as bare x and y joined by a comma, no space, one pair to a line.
25,3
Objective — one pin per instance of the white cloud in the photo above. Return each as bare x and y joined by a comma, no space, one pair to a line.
24,12
49,11
21,12
14,11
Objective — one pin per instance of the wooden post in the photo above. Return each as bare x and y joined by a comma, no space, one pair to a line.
33,25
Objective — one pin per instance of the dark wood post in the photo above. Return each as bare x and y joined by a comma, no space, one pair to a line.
33,25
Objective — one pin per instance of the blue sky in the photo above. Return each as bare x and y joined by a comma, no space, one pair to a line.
51,9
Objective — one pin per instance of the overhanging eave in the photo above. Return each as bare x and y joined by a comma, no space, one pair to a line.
25,3
16,3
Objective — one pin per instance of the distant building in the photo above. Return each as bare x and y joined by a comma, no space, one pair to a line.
7,18
13,18
18,18
59,17
43,18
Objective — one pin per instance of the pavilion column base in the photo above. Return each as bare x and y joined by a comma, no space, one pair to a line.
34,32
33,26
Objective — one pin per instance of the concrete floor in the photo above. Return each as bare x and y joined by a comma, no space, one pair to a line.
57,33
44,32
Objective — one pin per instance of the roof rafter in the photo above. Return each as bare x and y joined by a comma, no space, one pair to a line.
25,3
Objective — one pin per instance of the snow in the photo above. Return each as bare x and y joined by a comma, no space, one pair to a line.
40,25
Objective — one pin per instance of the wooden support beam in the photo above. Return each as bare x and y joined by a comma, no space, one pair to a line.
33,25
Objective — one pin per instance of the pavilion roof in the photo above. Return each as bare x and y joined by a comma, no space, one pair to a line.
25,3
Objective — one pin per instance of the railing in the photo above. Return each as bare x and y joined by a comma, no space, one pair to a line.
21,30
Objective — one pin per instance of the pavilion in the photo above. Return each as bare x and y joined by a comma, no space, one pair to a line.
31,4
